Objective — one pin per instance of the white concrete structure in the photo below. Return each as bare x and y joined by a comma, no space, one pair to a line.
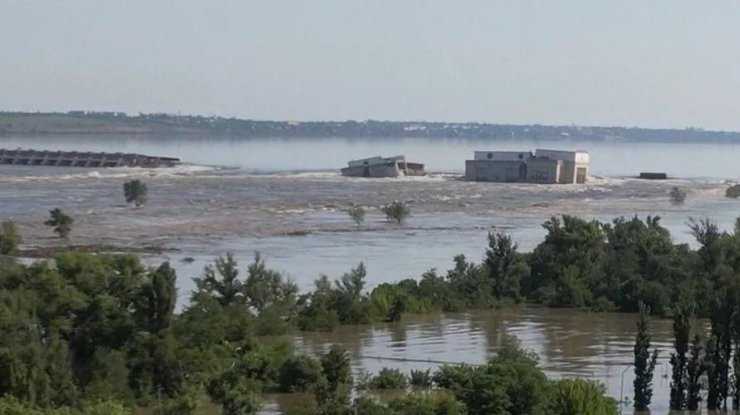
540,166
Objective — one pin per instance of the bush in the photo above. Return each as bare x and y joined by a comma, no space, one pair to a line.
357,213
135,192
389,379
427,403
299,374
396,211
420,378
61,223
579,397
9,238
677,195
733,191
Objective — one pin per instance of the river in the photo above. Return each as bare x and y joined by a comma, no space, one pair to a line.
285,199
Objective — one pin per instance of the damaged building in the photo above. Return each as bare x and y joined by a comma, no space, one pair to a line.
541,166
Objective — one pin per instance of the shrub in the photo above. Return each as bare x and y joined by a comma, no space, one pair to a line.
9,238
299,373
389,379
677,195
420,378
733,191
357,213
61,223
579,397
135,192
396,211
427,403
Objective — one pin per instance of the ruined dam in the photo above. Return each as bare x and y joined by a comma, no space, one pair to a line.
83,159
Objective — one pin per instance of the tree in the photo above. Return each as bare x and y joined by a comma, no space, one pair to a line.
396,211
505,267
357,213
644,362
135,192
677,195
579,397
695,369
9,238
61,223
679,377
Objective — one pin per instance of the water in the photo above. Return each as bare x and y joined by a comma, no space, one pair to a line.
570,343
286,199
609,158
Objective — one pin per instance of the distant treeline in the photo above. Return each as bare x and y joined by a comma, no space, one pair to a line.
82,122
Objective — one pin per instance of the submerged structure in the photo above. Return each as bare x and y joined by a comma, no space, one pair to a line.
383,167
83,159
540,166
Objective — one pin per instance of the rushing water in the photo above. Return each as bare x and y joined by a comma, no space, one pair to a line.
286,199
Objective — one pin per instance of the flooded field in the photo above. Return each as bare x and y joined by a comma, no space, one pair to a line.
287,200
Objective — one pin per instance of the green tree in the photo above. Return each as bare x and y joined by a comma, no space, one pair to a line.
9,238
695,369
396,211
357,214
579,397
505,266
644,362
135,192
61,223
681,338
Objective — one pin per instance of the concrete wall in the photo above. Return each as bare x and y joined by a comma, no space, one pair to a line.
495,171
544,171
502,155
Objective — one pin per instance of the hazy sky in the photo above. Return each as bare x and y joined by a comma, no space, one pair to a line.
671,63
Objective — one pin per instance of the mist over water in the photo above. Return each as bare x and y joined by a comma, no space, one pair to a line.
286,199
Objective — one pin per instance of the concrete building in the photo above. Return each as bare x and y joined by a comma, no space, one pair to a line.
383,167
540,166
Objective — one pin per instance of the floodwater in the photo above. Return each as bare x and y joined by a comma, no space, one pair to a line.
285,199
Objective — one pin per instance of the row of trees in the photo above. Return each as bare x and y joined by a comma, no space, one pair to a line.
396,211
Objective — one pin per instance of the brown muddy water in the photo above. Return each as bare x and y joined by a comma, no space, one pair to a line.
570,343
286,199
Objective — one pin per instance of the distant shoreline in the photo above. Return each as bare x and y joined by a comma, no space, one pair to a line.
94,123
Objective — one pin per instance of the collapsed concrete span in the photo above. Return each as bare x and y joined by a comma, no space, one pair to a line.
82,159
383,167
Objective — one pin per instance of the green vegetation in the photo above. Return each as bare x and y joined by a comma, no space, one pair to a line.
9,238
578,397
396,211
644,363
733,191
357,214
82,330
389,379
135,192
60,222
677,195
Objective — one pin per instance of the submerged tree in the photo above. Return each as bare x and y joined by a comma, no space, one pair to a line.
61,223
396,211
9,238
644,362
135,192
679,378
678,196
695,368
357,213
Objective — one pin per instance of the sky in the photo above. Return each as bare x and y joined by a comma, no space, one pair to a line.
658,63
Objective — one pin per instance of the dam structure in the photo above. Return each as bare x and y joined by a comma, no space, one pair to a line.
539,166
83,159
383,167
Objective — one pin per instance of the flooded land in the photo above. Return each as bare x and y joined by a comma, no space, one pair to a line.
286,199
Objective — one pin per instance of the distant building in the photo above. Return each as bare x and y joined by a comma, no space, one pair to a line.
540,166
383,167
